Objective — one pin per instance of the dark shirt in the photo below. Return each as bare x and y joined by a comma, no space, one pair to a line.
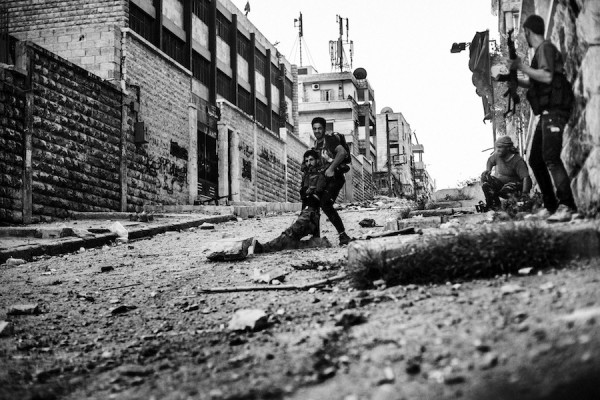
326,148
513,170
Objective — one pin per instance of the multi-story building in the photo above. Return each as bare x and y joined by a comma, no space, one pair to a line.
208,105
347,103
395,160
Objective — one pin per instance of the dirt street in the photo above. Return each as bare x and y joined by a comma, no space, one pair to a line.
130,321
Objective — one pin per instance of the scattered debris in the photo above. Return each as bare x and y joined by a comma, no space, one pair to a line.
121,309
321,282
207,226
276,274
24,309
525,271
489,360
122,233
348,318
252,319
5,328
510,289
547,286
11,262
388,376
106,268
121,286
367,223
582,315
134,370
229,249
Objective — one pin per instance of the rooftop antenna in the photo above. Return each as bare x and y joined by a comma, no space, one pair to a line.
336,48
300,33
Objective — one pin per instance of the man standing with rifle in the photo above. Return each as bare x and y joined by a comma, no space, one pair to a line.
551,97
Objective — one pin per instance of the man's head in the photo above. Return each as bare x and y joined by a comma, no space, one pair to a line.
310,158
318,126
533,25
504,146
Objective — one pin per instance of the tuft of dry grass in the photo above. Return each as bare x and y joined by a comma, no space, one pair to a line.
465,256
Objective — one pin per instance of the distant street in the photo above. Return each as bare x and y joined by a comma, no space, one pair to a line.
131,322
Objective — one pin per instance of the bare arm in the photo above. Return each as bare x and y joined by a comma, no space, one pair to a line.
526,185
340,154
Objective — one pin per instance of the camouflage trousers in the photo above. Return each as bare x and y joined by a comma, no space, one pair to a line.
306,224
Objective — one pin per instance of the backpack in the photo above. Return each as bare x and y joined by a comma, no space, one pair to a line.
342,139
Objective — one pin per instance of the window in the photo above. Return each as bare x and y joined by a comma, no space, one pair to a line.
262,114
201,68
200,9
260,62
223,26
274,75
287,88
245,101
329,126
326,95
140,22
243,47
274,122
224,85
173,46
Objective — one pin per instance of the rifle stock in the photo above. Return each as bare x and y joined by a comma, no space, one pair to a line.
513,81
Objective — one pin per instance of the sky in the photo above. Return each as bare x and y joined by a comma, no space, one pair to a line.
405,47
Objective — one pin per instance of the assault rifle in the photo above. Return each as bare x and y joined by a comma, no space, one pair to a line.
513,81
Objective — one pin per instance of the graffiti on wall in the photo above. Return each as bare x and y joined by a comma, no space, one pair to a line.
269,156
247,169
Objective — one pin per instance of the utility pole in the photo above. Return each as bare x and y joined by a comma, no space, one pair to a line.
492,106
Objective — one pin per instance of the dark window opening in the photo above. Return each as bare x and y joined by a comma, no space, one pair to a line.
262,114
200,8
245,101
243,47
140,22
287,88
173,47
275,122
223,27
275,75
200,68
260,63
224,86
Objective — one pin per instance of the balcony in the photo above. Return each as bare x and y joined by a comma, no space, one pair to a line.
418,148
420,165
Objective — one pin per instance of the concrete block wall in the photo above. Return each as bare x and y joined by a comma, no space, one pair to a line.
295,150
270,172
75,138
12,124
155,173
80,31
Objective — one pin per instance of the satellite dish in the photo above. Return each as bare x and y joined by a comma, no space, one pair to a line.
360,73
387,110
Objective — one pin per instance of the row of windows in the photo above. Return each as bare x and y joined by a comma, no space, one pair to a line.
200,8
243,47
173,46
223,26
201,68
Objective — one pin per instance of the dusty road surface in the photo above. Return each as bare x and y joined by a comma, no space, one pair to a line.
131,321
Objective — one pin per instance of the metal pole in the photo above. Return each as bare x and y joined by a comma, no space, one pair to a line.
389,161
492,106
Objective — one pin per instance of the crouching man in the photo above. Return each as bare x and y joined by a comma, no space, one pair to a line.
511,177
311,190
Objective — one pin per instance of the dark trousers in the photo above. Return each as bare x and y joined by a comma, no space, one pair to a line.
332,190
546,164
306,224
493,189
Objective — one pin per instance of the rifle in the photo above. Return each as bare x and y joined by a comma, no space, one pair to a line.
513,81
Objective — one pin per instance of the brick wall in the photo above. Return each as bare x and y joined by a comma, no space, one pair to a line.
270,173
12,122
84,32
295,151
75,138
157,171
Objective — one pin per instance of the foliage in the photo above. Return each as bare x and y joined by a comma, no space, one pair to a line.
468,255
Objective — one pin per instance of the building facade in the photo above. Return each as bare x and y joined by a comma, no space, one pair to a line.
574,27
347,104
207,106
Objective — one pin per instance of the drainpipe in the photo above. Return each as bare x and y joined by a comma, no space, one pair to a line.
123,142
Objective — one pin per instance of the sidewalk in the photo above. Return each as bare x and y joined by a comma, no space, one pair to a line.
91,230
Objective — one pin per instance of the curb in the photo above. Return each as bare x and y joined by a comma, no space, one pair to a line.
27,252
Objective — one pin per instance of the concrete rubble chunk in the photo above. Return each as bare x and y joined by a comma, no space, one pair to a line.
275,274
11,262
207,226
121,309
24,309
134,370
348,318
122,233
510,289
5,328
229,249
251,319
582,315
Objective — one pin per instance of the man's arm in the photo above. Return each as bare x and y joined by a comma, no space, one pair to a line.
340,154
488,168
540,75
526,185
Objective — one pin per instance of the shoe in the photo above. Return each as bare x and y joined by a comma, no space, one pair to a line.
345,239
562,214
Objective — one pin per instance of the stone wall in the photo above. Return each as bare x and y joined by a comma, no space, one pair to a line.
295,150
157,172
75,138
12,124
270,171
83,32
576,31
